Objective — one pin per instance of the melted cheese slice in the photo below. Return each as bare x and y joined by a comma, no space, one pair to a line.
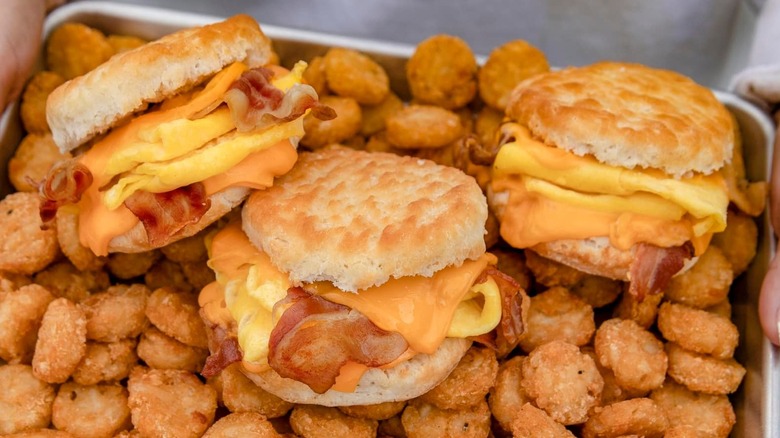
555,195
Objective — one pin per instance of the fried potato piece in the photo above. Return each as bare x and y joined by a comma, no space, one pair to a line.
160,399
506,66
563,381
314,75
74,49
25,401
507,395
62,341
703,373
65,280
24,247
166,273
313,421
375,116
176,314
68,237
379,143
118,313
468,384
189,249
706,414
242,425
94,410
392,427
423,126
612,392
198,274
512,262
239,394
379,411
10,281
126,266
21,312
597,291
557,314
442,71
40,433
594,290
106,362
158,350
638,416
633,353
722,308
532,422
706,283
738,241
486,126
642,312
421,420
320,133
33,106
123,43
352,74
698,330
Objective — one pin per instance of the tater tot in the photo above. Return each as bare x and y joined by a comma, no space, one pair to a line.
379,143
698,330
311,421
468,383
25,248
551,273
642,312
94,410
21,312
703,373
160,399
506,66
557,314
10,281
352,74
738,241
612,392
65,280
597,291
638,416
189,249
507,396
512,263
158,350
314,75
118,313
198,274
242,425
392,427
166,273
707,414
375,116
176,314
563,381
486,126
633,353
239,394
25,401
722,308
706,283
421,420
532,422
320,133
32,160
379,411
40,433
106,362
74,49
423,126
131,265
68,237
123,43
62,341
442,71
33,106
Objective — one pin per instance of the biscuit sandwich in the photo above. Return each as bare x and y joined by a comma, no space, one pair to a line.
172,135
613,169
358,278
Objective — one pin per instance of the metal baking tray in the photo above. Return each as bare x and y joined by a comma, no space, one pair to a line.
757,403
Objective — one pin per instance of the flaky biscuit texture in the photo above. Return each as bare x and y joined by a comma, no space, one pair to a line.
357,219
90,104
627,115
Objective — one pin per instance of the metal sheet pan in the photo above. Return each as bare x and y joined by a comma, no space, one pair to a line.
757,403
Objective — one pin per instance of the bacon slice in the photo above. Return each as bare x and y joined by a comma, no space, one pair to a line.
507,334
163,214
653,267
314,338
66,181
227,352
255,103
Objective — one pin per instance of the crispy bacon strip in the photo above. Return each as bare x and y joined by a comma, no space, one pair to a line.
653,267
226,353
163,214
314,338
507,334
255,103
64,184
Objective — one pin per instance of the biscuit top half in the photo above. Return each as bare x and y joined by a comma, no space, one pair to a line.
357,219
627,115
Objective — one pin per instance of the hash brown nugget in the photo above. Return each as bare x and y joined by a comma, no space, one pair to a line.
320,133
375,116
160,400
507,395
557,314
738,241
40,433
68,237
423,126
65,280
612,392
467,384
642,312
312,421
62,341
442,71
118,313
94,410
25,401
242,425
131,265
392,427
33,106
176,314
708,414
703,373
197,274
551,273
421,420
24,247
74,49
352,74
638,416
506,66
698,330
314,75
188,249
486,126
161,351
10,281
123,43
239,394
166,273
532,422
106,362
563,381
634,354
597,291
21,312
706,283
379,411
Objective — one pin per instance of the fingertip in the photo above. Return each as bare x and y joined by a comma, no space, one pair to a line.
769,302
